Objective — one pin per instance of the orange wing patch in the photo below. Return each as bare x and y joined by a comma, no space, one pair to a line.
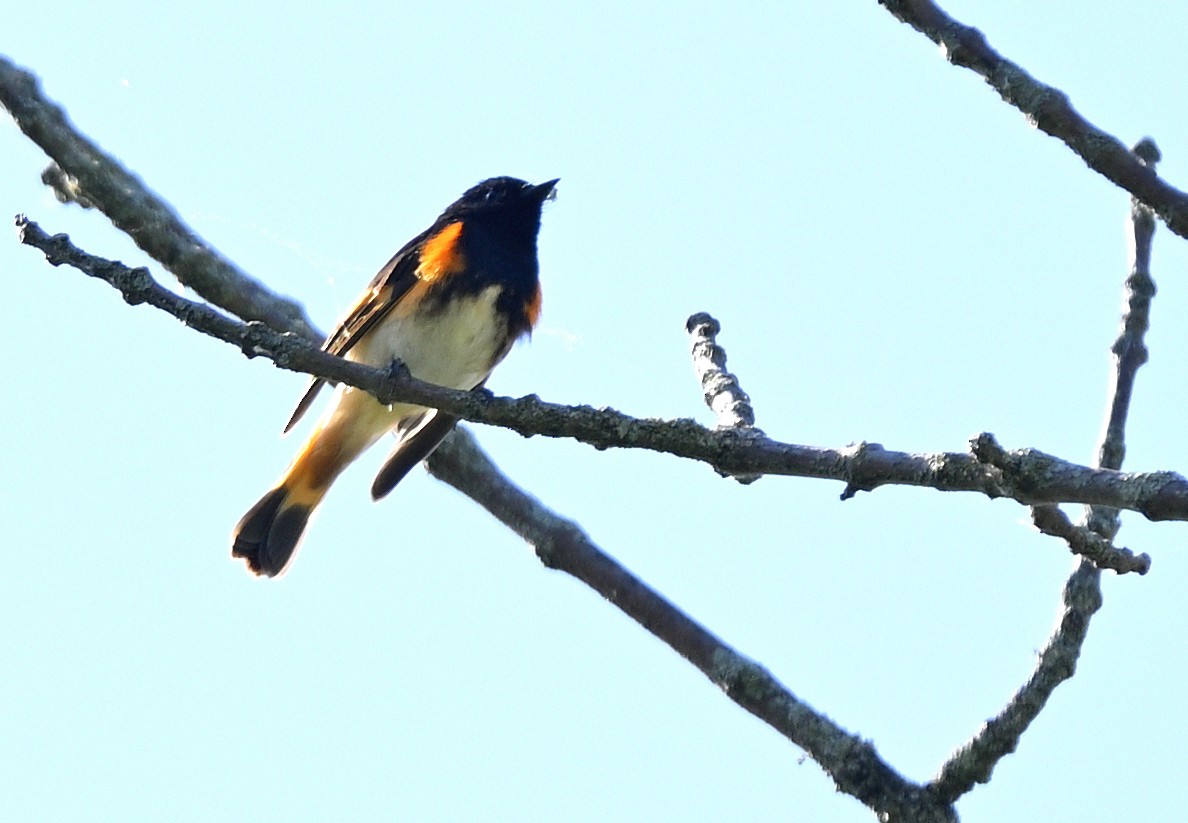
441,254
532,308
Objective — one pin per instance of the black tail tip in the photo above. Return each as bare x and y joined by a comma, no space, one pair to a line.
268,534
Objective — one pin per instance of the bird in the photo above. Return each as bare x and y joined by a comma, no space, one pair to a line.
449,306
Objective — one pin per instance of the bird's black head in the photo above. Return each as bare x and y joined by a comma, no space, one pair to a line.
508,201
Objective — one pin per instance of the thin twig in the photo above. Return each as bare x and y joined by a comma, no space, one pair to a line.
1130,349
85,174
1025,475
852,762
1087,543
1047,108
723,394
999,736
1081,597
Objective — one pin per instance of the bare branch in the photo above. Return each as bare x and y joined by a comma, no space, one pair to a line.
974,762
1028,476
852,762
1130,349
1047,108
1088,543
723,394
1023,473
85,174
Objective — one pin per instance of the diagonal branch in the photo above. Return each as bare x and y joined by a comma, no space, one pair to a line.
1047,108
999,736
1081,597
94,178
852,762
1026,475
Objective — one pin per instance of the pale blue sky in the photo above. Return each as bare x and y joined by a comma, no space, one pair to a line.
894,254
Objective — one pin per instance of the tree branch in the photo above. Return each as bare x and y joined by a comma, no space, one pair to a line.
974,762
853,763
87,176
1088,543
858,767
83,173
999,736
723,394
1026,475
1130,349
1047,108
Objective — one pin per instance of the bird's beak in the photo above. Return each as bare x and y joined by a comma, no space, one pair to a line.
544,191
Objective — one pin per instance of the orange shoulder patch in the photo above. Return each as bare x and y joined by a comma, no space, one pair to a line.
532,308
441,254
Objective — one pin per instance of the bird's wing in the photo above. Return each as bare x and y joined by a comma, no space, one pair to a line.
391,284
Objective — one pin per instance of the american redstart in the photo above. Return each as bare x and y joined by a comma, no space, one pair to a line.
449,305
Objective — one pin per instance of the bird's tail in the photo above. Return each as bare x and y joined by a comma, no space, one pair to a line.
268,535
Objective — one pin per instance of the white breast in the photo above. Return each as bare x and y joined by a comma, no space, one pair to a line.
456,347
